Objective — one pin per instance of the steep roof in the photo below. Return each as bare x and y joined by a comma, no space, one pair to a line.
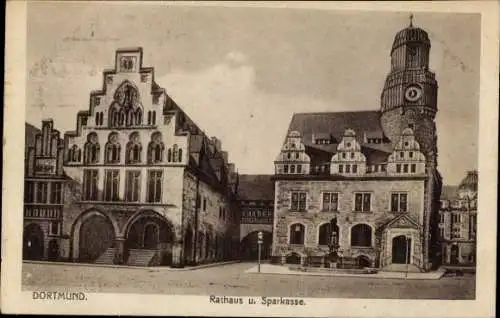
366,124
255,187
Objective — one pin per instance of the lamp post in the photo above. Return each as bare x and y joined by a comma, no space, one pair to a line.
259,243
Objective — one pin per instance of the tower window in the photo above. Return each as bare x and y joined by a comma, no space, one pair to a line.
413,168
348,168
341,169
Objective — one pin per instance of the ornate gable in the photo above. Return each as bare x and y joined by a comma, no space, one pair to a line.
402,221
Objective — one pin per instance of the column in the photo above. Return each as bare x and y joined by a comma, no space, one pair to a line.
120,250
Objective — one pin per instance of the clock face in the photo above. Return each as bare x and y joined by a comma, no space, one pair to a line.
413,93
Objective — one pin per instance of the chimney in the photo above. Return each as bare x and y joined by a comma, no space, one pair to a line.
217,143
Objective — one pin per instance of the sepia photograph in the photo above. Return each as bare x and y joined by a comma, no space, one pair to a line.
254,156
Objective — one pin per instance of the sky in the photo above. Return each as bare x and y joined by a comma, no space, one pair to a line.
241,73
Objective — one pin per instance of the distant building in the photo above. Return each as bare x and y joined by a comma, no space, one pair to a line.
43,193
256,199
458,222
372,173
148,186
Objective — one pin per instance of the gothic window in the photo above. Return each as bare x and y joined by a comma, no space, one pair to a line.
111,185
297,233
29,192
154,186
361,235
56,193
74,154
138,116
41,192
90,179
155,148
175,153
132,184
134,149
169,155
113,148
92,149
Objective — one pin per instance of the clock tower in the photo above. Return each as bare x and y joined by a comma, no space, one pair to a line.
409,97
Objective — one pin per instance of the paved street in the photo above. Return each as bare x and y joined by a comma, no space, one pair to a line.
230,280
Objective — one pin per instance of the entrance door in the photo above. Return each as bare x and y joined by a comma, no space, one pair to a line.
401,250
151,236
33,242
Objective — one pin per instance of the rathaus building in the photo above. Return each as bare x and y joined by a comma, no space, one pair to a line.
147,186
367,179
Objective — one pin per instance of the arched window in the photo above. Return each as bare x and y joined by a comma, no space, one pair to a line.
361,235
180,155
155,148
297,232
92,149
138,116
112,151
169,155
74,154
175,153
134,149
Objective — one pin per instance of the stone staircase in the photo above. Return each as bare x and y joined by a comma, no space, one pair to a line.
107,257
139,257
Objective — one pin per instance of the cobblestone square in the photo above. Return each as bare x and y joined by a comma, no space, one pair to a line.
231,280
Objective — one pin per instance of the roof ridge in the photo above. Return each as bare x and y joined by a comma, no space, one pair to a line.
338,112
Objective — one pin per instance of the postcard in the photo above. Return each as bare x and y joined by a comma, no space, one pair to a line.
292,159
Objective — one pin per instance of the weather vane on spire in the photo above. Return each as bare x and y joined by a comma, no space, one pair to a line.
411,19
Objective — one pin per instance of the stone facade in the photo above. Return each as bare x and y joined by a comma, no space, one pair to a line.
458,223
256,201
147,185
43,201
373,174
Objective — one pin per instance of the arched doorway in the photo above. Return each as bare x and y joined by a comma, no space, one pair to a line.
401,249
250,246
53,252
151,239
96,235
149,231
33,242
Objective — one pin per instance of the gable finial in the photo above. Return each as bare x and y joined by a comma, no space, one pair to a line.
411,20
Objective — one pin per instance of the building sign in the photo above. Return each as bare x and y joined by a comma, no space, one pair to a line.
42,212
257,216
45,166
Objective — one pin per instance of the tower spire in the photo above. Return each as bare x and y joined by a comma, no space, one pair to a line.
411,20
